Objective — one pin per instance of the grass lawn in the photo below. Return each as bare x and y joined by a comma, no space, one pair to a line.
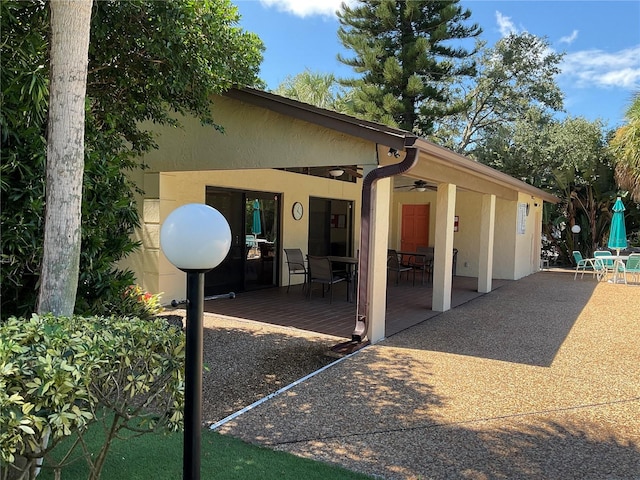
159,457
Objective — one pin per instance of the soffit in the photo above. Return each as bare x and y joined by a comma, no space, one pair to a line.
440,165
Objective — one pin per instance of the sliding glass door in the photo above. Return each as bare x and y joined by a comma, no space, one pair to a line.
252,262
330,227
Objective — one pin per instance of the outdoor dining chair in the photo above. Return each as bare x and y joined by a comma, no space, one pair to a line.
296,266
606,265
583,264
599,269
423,263
633,267
320,271
395,265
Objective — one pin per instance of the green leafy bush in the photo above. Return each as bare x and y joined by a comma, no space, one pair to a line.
122,96
59,374
134,301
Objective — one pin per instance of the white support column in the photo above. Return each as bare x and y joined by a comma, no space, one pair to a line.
487,227
537,237
378,244
443,247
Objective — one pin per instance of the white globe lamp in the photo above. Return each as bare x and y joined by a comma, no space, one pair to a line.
575,229
195,238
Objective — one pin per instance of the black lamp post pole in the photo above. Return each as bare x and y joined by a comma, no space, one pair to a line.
193,376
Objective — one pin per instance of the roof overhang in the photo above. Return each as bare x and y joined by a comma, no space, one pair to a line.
447,158
374,132
436,162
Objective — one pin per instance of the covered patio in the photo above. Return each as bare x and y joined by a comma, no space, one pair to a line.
407,305
404,192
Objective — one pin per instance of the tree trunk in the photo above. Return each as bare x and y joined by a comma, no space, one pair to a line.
70,24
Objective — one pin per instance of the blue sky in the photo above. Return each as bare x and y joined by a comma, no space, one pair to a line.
600,39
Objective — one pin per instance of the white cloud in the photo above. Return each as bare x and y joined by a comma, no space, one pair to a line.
595,68
505,25
569,39
306,8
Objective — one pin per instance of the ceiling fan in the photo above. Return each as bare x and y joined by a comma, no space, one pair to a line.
418,185
338,171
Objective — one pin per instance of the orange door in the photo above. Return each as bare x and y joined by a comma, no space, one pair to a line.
415,227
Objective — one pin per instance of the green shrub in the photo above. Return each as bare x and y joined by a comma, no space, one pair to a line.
135,302
59,374
122,299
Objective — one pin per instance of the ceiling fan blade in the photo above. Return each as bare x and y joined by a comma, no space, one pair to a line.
352,171
419,185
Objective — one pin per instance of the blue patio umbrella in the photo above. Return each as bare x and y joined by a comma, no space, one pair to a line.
256,226
618,232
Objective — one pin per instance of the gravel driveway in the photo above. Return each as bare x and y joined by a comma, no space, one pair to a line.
539,379
246,361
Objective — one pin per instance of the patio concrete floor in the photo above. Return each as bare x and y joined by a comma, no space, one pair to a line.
540,379
407,305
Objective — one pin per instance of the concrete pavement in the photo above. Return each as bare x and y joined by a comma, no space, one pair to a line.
539,379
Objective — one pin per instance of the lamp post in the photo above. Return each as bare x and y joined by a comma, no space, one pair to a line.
195,238
575,230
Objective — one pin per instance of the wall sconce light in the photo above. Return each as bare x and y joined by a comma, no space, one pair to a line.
336,172
393,153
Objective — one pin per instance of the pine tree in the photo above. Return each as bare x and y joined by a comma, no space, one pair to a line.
409,54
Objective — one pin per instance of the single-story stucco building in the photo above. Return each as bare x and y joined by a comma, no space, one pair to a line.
277,155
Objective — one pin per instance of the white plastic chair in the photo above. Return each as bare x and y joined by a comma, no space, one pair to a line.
632,267
583,264
607,265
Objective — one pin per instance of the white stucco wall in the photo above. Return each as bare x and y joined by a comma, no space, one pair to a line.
173,189
253,138
514,255
466,239
528,245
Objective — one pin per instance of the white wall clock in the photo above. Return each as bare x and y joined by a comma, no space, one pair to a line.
297,211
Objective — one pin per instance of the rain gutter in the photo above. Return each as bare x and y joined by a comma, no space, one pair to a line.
410,161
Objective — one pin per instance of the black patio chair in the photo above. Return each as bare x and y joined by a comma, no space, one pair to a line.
423,263
320,271
395,265
296,266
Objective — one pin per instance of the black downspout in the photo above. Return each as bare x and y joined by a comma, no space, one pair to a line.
407,164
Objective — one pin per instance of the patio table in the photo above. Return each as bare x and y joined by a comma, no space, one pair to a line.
352,272
426,261
618,261
414,254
